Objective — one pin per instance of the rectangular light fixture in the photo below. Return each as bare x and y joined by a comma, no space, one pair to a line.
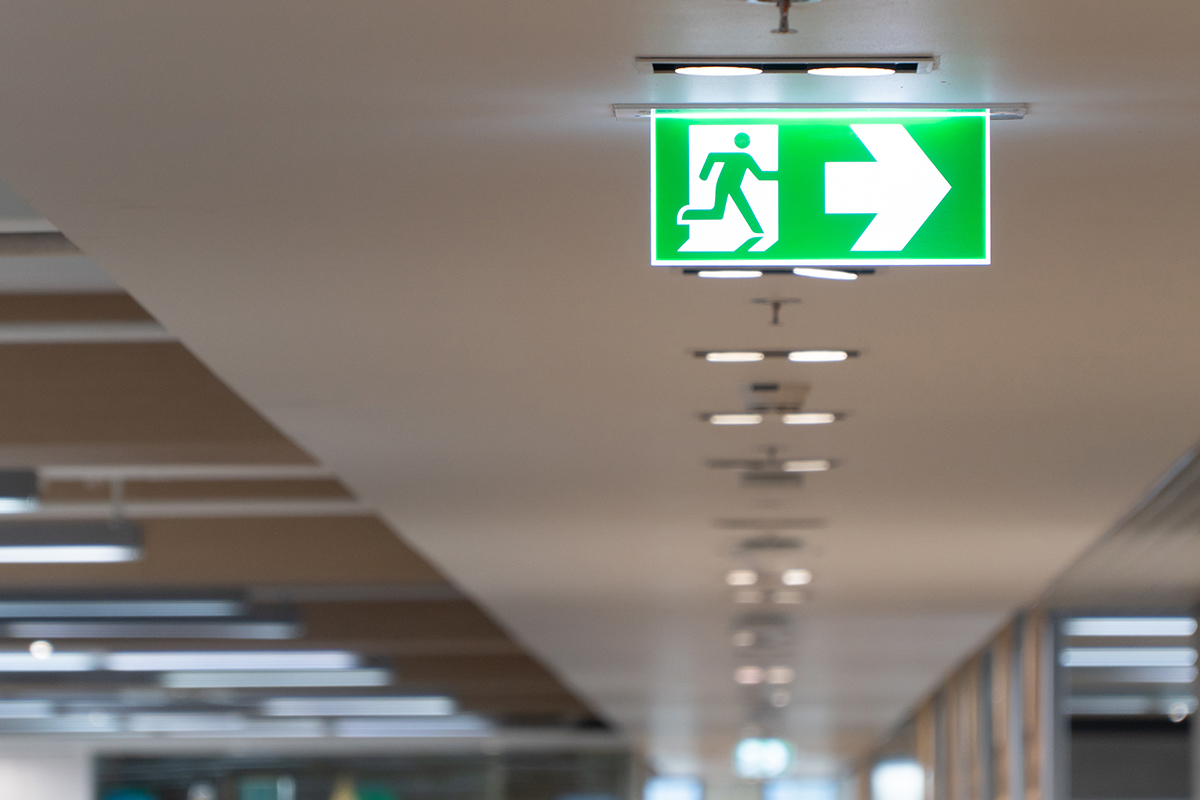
462,725
750,356
167,722
810,418
432,706
807,465
1120,705
24,661
26,709
1128,657
202,661
18,491
734,419
1129,626
69,542
184,629
281,679
788,65
114,609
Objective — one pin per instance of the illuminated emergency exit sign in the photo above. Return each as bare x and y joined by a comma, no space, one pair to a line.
816,187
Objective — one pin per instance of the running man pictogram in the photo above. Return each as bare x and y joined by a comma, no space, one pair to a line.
729,184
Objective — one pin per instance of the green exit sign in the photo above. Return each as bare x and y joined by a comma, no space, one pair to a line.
820,187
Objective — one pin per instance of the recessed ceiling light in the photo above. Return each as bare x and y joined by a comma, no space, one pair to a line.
415,706
810,418
735,419
807,465
1128,657
825,274
41,649
796,577
741,577
748,676
818,356
780,675
69,542
281,679
852,72
1130,626
718,71
734,356
237,660
744,639
729,273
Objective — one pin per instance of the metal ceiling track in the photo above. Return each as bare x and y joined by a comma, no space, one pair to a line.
634,112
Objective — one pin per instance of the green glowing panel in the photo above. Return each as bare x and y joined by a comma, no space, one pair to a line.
818,187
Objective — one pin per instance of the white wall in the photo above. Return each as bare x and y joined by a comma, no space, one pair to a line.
45,773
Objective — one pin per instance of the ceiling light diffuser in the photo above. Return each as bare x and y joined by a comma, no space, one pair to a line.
718,71
817,356
796,577
433,706
825,274
1128,657
110,609
60,542
55,662
810,418
748,676
735,419
852,72
1130,626
729,273
734,356
277,679
741,577
807,465
172,661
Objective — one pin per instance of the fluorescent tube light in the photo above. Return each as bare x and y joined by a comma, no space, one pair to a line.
109,609
248,629
267,679
718,72
748,675
1129,626
1128,657
462,725
55,662
817,356
432,706
91,723
807,465
852,72
26,709
69,542
183,723
1119,705
735,419
733,356
741,577
796,577
810,418
229,660
18,491
729,273
825,274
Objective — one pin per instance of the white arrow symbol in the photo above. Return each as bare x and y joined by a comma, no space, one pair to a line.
901,187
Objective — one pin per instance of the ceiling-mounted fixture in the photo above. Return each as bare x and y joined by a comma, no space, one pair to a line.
59,542
281,679
853,72
411,706
712,71
771,397
733,419
749,356
839,274
772,470
18,491
728,273
812,418
785,65
796,577
741,577
825,274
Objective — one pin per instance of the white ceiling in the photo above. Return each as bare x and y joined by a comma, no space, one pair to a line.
413,235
